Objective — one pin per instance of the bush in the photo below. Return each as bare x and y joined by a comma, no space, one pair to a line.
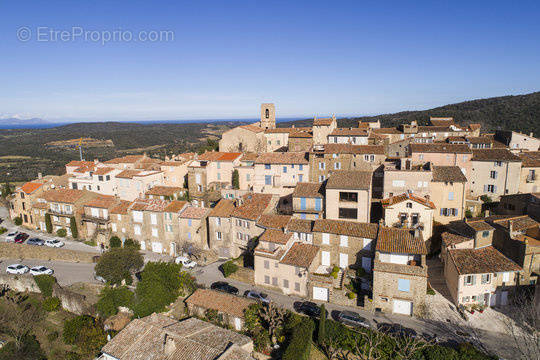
61,232
159,286
17,221
29,349
86,333
132,244
468,214
51,304
351,295
2,230
48,223
115,242
486,199
300,341
229,268
235,179
117,264
73,227
335,272
430,291
111,298
52,336
45,284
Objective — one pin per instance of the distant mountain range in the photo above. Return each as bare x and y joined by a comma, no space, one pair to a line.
515,112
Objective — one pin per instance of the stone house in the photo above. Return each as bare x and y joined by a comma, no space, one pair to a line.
322,127
325,159
495,172
158,336
281,262
516,141
399,272
97,219
278,173
300,141
220,237
348,196
354,136
529,179
230,308
442,154
448,193
163,192
344,244
246,171
76,164
172,223
174,173
120,220
308,200
520,204
409,211
400,177
132,184
249,138
193,229
133,162
23,200
147,223
95,177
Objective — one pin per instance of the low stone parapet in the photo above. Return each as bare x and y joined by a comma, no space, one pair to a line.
23,251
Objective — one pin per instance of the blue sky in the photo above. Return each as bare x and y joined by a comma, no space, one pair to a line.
309,57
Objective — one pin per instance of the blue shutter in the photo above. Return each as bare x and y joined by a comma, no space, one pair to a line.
302,203
318,204
404,285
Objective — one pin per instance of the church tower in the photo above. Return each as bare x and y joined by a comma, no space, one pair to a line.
268,116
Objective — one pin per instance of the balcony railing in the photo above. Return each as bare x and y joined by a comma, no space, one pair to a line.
97,219
60,212
531,178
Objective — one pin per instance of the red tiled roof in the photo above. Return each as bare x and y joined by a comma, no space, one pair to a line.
220,301
121,208
352,149
253,207
530,158
273,221
154,205
448,174
68,196
342,227
449,239
102,201
353,180
30,187
253,128
223,208
128,159
175,206
275,236
311,190
481,261
103,170
494,155
192,212
407,196
282,158
440,148
323,121
78,163
301,255
163,190
349,132
300,225
218,156
402,241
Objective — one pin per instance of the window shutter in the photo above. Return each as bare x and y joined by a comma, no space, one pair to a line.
485,188
494,188
473,279
442,211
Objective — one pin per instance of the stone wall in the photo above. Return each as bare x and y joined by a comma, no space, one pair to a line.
19,282
23,251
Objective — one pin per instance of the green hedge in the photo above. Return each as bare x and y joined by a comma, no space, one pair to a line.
115,242
45,284
61,232
229,268
51,304
300,341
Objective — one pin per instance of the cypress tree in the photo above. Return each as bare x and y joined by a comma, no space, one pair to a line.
322,326
48,223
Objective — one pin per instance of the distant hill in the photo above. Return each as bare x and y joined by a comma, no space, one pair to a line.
17,122
519,112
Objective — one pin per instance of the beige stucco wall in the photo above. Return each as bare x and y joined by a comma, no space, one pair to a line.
283,183
528,183
415,180
363,205
240,139
444,159
391,215
507,181
440,197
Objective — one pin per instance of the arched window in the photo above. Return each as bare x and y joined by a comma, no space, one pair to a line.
267,113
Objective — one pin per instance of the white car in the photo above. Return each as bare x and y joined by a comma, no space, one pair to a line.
41,270
54,243
185,262
17,269
11,236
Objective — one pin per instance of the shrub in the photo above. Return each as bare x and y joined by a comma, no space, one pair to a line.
430,291
468,214
45,284
486,199
118,264
61,232
321,335
29,349
132,244
360,272
111,298
73,227
159,286
17,221
2,230
48,223
52,336
235,179
51,304
229,268
261,340
86,333
351,295
300,341
115,242
335,272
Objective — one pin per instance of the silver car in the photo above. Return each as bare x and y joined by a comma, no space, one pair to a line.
352,319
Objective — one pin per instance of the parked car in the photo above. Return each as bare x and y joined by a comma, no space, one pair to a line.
11,236
352,319
256,295
225,287
188,264
41,270
21,237
309,308
396,330
35,241
54,243
17,269
431,338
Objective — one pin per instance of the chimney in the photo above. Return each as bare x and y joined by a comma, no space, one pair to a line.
169,345
40,176
531,134
510,227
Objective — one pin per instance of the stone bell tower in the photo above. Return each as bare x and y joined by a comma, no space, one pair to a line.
268,116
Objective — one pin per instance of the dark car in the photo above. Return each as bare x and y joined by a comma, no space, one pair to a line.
396,330
308,308
35,241
431,338
352,319
21,238
225,287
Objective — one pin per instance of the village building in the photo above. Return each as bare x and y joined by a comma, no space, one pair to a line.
147,224
529,179
442,154
448,187
517,141
220,237
409,211
278,173
132,184
193,229
399,177
308,200
348,196
322,127
520,204
23,200
164,192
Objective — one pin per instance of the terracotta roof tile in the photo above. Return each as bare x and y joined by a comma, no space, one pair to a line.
392,240
481,261
449,239
253,207
223,208
128,159
219,156
121,208
102,201
343,179
301,255
323,121
494,155
273,221
448,174
352,149
342,227
287,130
253,128
275,236
300,134
192,212
68,196
30,187
282,158
407,196
300,225
175,206
308,190
78,163
442,121
440,148
519,223
163,190
349,132
103,170
220,301
154,205
530,159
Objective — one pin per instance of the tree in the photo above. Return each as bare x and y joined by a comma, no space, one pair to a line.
86,333
229,268
322,320
111,298
132,244
48,223
119,264
6,189
17,221
30,349
61,232
18,316
523,325
273,318
73,227
235,179
115,242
